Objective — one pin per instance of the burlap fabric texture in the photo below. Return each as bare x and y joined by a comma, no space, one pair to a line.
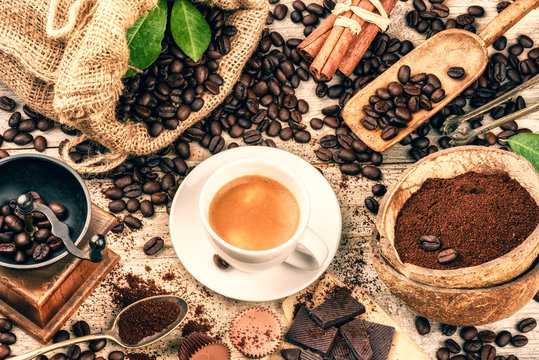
66,58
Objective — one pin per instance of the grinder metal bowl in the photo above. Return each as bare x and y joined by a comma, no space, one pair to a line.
54,181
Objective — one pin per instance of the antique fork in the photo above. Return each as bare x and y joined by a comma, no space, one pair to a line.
461,132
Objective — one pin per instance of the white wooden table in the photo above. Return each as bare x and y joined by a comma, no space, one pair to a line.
352,263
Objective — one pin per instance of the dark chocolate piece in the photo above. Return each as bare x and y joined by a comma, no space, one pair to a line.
338,309
381,338
306,333
339,350
291,354
356,337
309,355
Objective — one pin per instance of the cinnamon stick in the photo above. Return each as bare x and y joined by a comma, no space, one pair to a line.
343,44
360,44
327,49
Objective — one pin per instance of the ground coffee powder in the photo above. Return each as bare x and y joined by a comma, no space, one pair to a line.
481,216
145,319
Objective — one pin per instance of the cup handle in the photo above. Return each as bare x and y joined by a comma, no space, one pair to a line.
310,253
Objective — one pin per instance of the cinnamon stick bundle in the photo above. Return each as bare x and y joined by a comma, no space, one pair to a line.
330,48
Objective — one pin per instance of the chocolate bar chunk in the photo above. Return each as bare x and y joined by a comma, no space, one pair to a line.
381,338
291,354
337,310
306,333
309,355
356,337
339,350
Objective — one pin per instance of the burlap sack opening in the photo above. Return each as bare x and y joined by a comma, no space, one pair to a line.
65,59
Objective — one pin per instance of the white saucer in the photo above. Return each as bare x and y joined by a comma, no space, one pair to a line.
196,253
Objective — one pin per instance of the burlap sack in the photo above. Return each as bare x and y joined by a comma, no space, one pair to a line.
65,59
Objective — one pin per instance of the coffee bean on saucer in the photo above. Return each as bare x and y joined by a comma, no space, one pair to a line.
527,325
442,354
97,345
429,243
73,352
153,245
8,338
5,325
220,263
503,338
81,328
487,336
452,346
519,340
488,352
61,335
448,330
5,351
422,325
447,256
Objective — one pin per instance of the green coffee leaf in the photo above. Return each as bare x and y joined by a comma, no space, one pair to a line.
145,36
189,29
526,145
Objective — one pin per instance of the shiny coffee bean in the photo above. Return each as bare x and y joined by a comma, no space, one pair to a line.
116,355
41,252
59,210
97,345
60,336
472,346
5,325
442,354
132,221
371,204
117,206
379,190
487,336
468,332
488,352
422,325
456,72
153,245
146,208
527,325
452,346
8,338
5,350
81,328
73,352
371,172
503,338
429,243
519,340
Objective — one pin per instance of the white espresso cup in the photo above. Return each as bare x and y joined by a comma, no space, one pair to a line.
304,249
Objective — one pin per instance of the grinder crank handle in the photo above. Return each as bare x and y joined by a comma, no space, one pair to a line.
25,205
506,19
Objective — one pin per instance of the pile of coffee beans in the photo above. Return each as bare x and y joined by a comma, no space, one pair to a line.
477,344
392,107
430,21
166,93
7,338
19,245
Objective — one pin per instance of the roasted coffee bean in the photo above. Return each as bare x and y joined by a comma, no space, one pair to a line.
159,198
525,41
456,72
7,103
41,235
371,204
487,336
302,136
118,228
371,172
73,352
147,208
503,338
5,350
41,252
87,355
488,352
219,262
476,11
61,335
133,205
388,133
116,355
472,346
113,193
447,256
452,346
437,95
403,74
81,328
8,248
180,166
117,206
153,245
350,169
97,345
527,325
369,123
422,325
429,243
22,240
500,43
40,143
471,356
379,190
123,181
519,340
280,11
8,338
440,10
151,187
14,223
5,325
323,154
23,139
442,354
468,332
132,221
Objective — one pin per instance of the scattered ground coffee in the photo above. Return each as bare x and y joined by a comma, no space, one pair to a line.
481,216
145,319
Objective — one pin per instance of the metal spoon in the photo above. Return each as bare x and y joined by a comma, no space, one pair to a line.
112,333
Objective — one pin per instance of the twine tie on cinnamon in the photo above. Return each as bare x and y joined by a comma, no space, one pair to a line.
381,20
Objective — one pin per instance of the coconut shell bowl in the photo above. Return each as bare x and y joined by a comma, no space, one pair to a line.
472,295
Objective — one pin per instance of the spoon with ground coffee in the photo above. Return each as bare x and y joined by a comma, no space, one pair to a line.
140,324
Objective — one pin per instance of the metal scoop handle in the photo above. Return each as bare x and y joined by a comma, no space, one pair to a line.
25,205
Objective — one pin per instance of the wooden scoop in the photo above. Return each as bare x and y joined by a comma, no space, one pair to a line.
448,48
